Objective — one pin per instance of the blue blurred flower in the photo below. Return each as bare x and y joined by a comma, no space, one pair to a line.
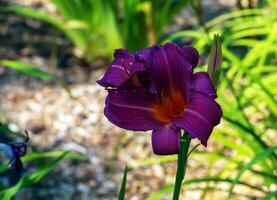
13,151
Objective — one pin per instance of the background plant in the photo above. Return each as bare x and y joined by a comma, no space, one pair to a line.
96,28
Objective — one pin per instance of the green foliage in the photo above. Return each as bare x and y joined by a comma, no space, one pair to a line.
32,13
258,157
96,28
90,25
33,72
165,190
135,25
3,167
53,158
164,11
51,154
144,21
8,193
122,191
33,178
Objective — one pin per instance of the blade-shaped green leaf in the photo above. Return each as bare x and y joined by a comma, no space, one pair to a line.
167,189
4,167
270,196
122,191
32,13
32,71
25,181
259,156
51,154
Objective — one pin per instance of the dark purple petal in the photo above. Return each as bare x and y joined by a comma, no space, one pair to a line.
136,80
143,54
122,73
139,75
191,54
200,117
131,109
138,66
119,70
169,70
166,141
202,83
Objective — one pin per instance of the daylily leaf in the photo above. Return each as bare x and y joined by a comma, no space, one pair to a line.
34,72
122,191
259,156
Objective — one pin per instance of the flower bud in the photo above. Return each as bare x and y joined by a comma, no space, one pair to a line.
215,61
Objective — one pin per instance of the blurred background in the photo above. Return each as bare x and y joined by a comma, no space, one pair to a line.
53,51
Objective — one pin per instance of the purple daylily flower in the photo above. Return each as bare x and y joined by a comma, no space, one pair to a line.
156,89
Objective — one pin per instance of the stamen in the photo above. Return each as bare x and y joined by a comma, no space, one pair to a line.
169,106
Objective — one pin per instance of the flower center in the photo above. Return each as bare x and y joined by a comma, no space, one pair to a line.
170,107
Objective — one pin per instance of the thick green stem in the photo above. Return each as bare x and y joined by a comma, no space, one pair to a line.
182,164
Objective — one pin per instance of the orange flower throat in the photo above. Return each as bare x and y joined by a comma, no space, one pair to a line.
170,107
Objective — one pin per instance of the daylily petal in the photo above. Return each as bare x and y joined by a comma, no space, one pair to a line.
166,141
141,62
138,66
131,109
119,70
191,54
143,54
200,117
169,70
202,83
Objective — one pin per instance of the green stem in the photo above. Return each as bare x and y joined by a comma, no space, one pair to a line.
182,164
